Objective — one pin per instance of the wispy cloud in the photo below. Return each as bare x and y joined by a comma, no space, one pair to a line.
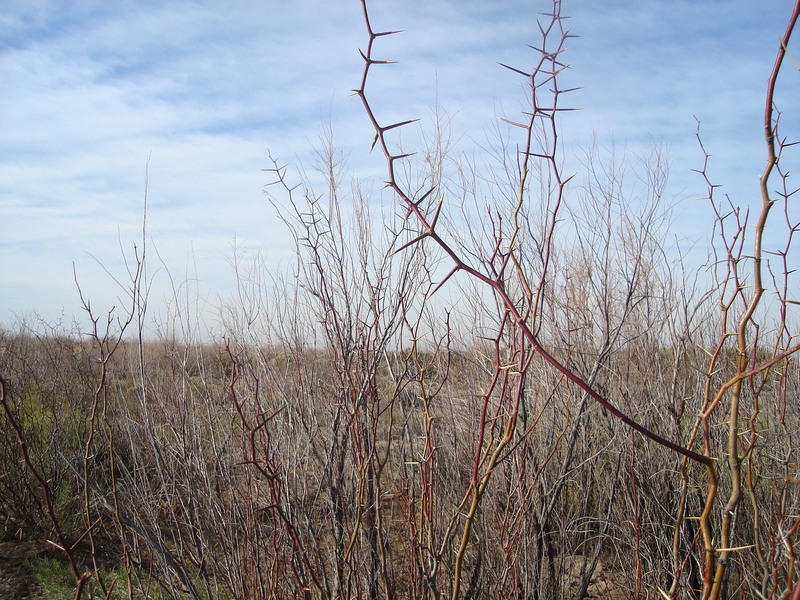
203,90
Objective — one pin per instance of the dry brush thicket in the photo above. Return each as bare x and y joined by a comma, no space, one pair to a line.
580,418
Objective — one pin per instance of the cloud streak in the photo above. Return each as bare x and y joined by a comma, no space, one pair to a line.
204,90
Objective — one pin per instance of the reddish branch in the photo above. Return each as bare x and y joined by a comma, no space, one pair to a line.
429,230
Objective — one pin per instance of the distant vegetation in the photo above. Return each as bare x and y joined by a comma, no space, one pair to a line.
581,417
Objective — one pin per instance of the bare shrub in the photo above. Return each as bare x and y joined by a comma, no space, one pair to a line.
545,404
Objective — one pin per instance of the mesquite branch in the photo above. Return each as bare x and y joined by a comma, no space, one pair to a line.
546,71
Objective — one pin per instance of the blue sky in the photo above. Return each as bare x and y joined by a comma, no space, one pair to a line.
90,91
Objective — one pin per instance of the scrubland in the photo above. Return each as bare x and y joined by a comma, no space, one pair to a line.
507,383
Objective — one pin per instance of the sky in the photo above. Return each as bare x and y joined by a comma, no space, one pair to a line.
102,100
